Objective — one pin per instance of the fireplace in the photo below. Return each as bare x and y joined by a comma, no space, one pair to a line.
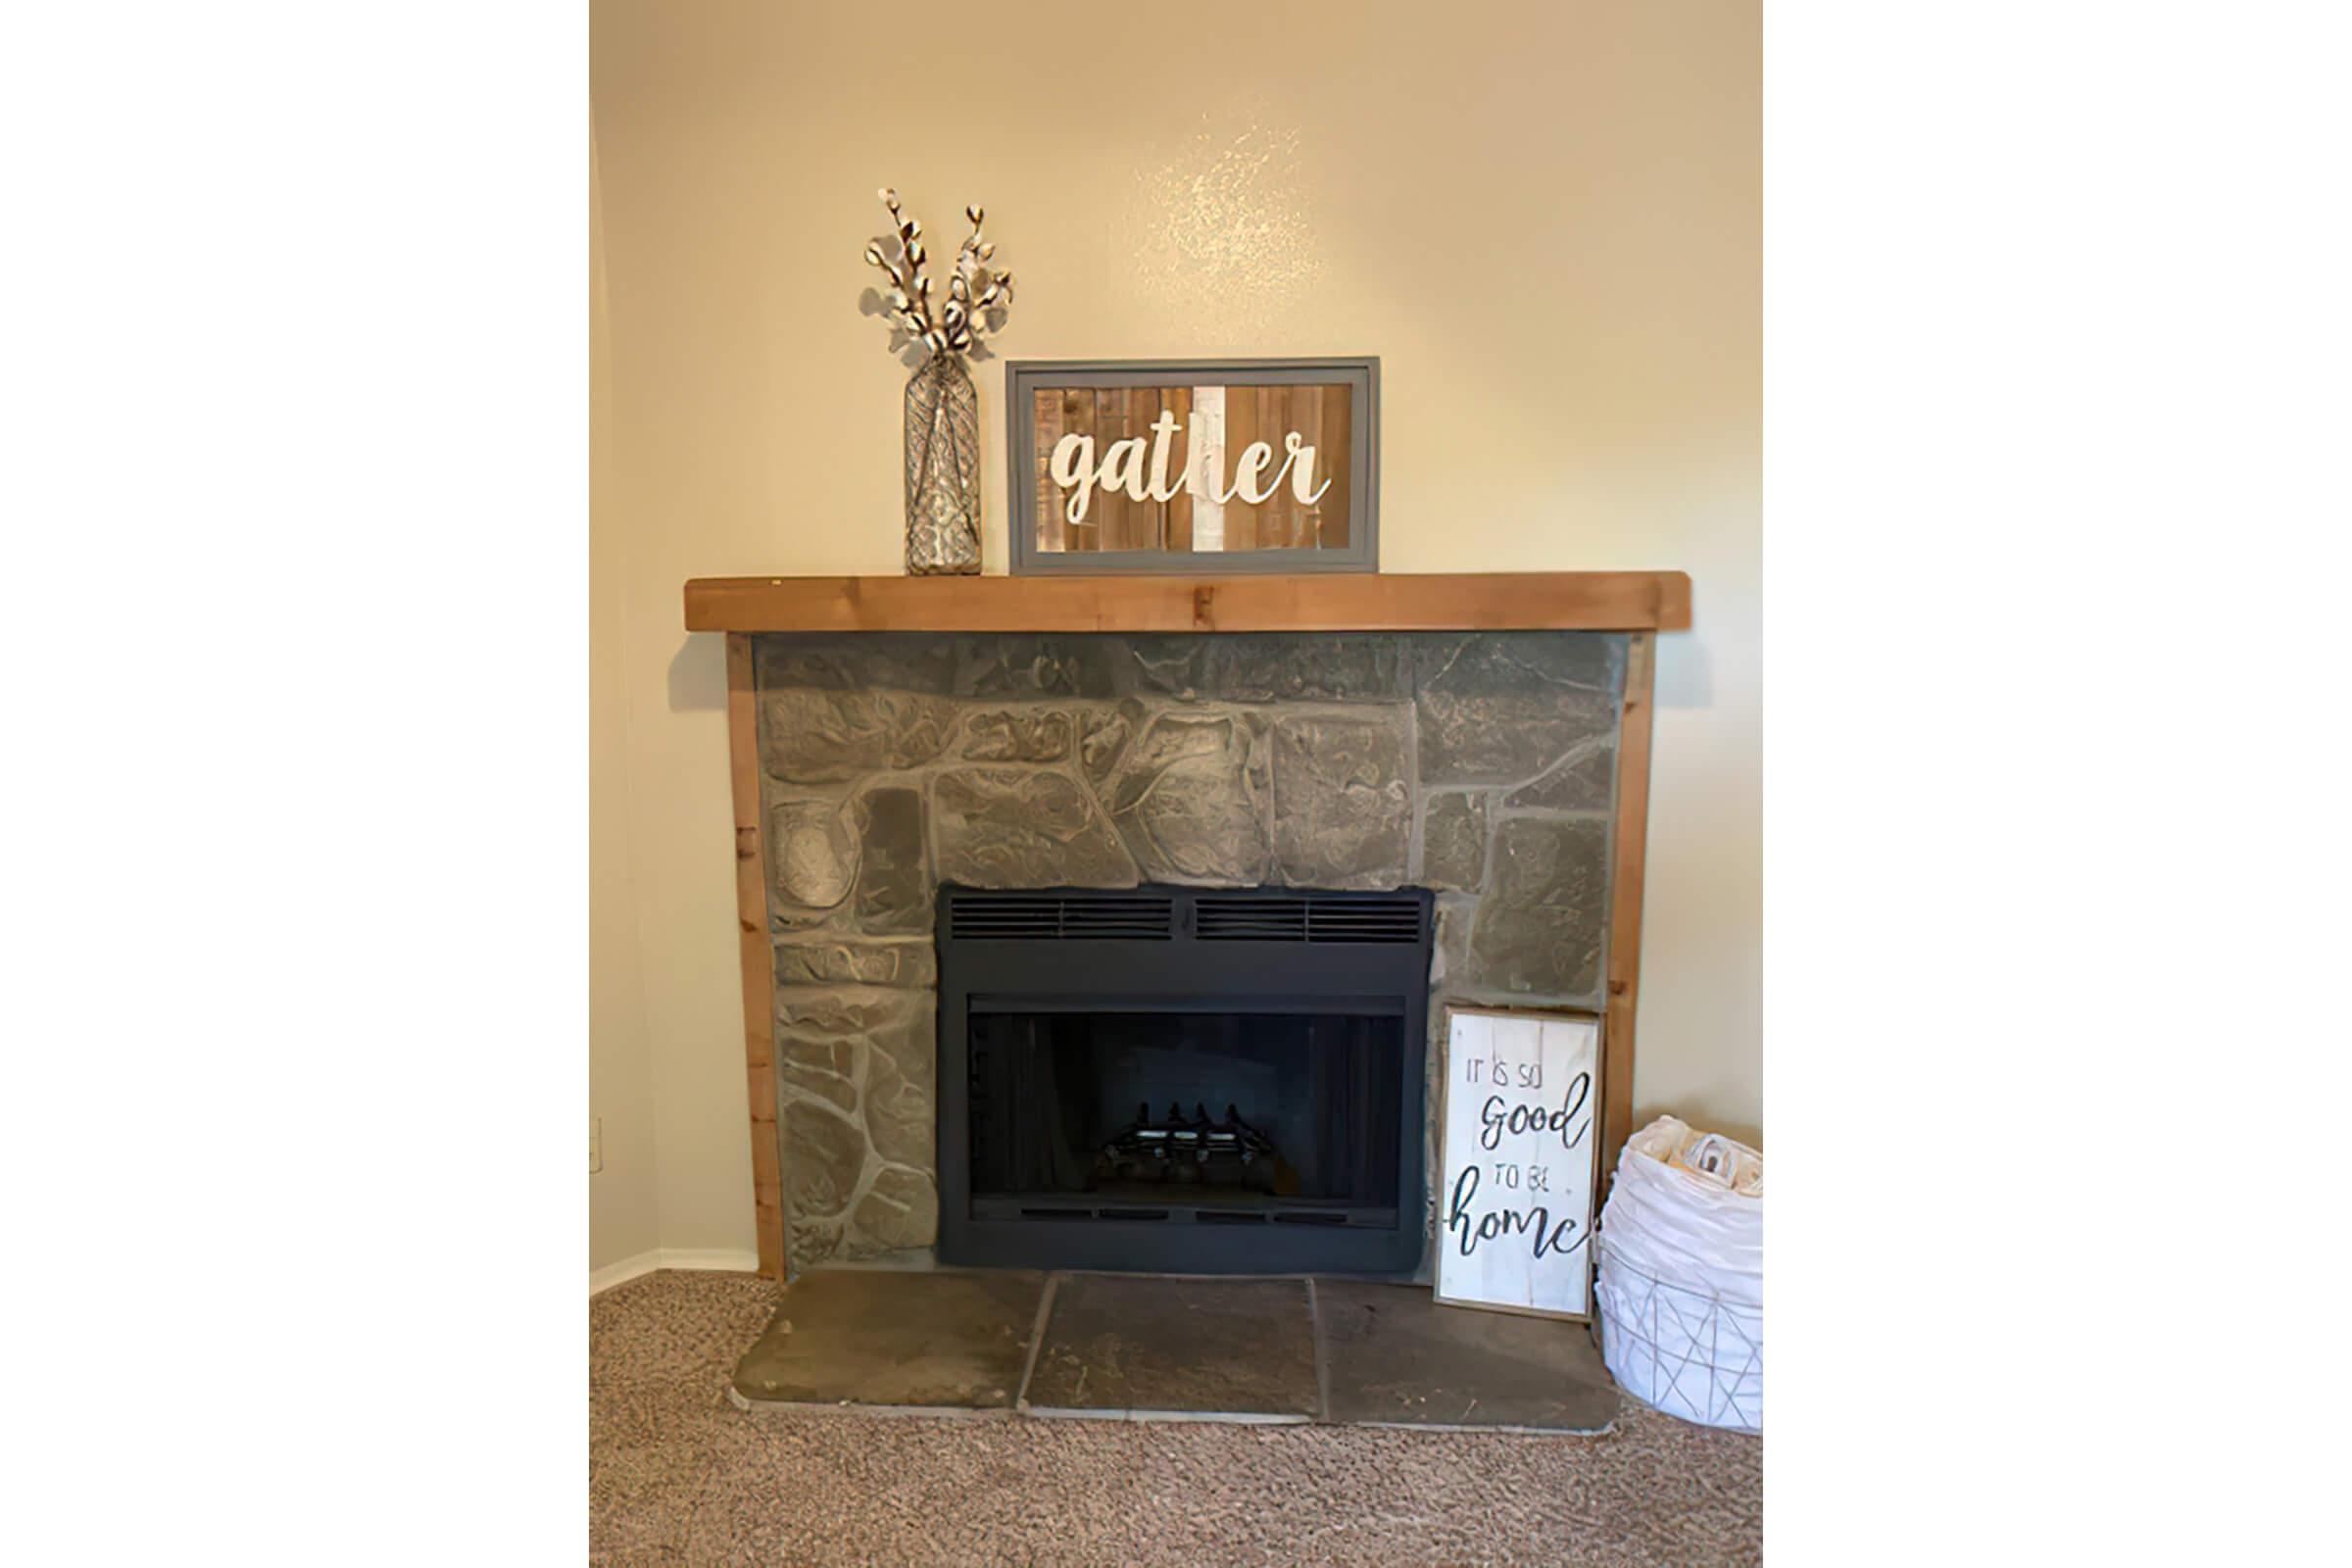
1180,1079
1309,751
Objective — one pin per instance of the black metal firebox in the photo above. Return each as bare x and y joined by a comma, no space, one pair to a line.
1181,1079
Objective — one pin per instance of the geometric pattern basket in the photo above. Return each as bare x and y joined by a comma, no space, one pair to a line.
1685,1351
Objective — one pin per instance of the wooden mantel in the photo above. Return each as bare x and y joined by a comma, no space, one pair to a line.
1639,603
1525,601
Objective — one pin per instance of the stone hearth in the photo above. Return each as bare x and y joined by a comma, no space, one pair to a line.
1478,765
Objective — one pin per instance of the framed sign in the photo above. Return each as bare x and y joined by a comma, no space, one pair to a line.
1519,1159
1193,466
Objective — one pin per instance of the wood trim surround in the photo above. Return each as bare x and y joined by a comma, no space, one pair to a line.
1523,601
758,957
1626,856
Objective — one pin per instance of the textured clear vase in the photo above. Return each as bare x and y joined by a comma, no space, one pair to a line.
943,468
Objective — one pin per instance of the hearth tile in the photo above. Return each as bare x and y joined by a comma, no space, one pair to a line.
1148,1344
940,1340
1395,1357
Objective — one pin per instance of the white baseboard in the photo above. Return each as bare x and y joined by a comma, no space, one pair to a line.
721,1259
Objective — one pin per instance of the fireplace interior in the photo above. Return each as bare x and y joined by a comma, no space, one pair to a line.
1183,1080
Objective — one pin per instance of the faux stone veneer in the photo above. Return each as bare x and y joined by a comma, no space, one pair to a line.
1480,764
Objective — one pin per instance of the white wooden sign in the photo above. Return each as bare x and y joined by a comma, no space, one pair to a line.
1519,1155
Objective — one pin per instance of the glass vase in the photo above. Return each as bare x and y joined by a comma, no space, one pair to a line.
943,468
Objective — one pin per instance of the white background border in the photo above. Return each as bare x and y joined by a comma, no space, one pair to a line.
295,497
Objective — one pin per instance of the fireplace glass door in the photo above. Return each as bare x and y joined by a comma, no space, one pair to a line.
1212,1117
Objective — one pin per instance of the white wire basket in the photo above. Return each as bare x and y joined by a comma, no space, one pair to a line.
1685,1351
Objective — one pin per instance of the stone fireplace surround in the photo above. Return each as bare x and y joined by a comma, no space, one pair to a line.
1482,765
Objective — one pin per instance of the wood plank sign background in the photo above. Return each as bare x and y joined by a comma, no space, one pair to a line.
1518,1160
1191,466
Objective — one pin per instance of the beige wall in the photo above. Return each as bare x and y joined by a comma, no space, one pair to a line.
1542,218
623,1214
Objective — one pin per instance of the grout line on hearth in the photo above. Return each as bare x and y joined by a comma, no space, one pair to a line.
1314,1323
1037,1340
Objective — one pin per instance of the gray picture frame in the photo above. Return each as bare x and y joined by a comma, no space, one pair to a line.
1360,374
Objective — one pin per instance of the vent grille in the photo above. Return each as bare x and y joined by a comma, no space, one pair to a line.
1306,918
1363,921
1323,918
1050,917
1250,920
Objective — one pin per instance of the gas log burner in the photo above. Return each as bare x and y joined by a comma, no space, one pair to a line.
1086,1036
1195,1150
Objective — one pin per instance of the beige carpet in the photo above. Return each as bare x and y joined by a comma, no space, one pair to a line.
677,1475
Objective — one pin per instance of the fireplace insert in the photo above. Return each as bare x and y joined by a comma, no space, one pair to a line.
1183,1080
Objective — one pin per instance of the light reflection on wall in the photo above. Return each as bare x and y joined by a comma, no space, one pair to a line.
1225,225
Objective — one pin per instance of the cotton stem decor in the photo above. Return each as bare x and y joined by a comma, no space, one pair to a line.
942,410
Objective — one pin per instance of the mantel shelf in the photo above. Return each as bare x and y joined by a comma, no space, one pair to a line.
1533,600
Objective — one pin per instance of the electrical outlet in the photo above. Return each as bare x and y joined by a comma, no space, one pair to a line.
596,1145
